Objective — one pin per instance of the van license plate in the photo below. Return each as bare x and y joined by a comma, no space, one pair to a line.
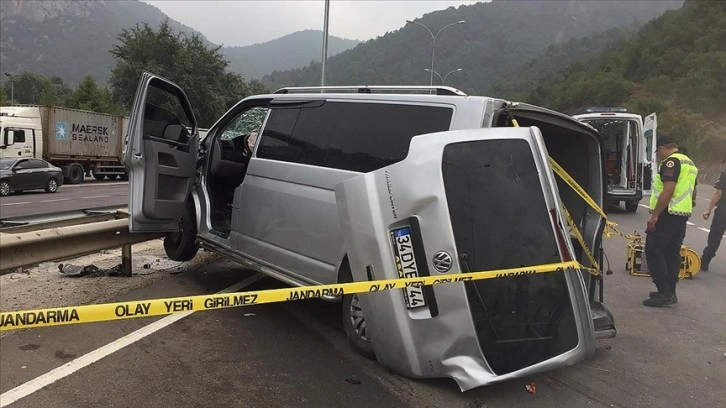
406,264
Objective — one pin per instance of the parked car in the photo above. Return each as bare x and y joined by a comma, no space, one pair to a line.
339,177
17,175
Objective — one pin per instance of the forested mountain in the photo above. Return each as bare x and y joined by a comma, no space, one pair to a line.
291,51
675,65
68,39
498,37
71,39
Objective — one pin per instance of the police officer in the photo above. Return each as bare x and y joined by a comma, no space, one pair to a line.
671,203
718,225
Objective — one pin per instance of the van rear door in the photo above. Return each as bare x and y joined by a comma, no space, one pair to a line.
160,155
468,200
650,126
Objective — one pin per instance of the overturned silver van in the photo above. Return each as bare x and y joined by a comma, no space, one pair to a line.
463,201
329,185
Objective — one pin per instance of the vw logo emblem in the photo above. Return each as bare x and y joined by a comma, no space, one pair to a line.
442,261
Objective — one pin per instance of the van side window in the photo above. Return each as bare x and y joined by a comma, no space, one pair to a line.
349,136
165,117
374,135
277,142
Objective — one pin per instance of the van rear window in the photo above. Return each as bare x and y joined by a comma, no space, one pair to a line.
349,135
500,220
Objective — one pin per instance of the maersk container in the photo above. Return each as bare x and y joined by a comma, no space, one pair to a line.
80,134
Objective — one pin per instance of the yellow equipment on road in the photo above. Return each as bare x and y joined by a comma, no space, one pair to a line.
636,264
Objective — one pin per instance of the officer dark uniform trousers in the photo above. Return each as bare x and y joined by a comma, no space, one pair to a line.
718,225
663,244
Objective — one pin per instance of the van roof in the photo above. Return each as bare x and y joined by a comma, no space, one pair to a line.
605,115
368,89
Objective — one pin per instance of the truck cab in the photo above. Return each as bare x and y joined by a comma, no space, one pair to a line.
21,132
629,152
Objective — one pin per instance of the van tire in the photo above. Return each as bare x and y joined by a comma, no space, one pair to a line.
353,319
75,174
181,245
631,206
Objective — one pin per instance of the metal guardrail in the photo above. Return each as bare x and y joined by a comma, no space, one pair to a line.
33,241
58,219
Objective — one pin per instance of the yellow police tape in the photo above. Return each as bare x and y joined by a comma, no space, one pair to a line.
157,307
610,225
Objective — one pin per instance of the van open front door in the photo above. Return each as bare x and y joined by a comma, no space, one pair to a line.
466,201
160,155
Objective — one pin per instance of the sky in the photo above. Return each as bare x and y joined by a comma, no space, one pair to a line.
247,22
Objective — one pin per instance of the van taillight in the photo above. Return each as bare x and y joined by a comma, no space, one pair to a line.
561,243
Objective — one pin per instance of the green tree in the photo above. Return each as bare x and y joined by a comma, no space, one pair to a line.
32,88
89,96
25,87
61,90
186,60
3,98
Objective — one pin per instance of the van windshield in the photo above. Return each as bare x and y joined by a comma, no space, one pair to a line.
500,220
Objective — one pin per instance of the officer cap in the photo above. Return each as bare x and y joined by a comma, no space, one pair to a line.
665,140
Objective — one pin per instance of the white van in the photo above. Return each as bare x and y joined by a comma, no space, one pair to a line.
629,152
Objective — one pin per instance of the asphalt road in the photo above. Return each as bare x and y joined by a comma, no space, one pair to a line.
89,194
294,354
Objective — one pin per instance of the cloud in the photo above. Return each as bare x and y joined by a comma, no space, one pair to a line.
236,23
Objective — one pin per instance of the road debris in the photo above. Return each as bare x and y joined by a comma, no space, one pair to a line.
89,270
531,388
76,270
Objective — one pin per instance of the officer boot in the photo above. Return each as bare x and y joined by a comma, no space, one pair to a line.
665,296
658,293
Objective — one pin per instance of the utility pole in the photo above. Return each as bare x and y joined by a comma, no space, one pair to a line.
12,87
325,42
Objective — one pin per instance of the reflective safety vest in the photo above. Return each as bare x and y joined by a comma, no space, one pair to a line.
681,203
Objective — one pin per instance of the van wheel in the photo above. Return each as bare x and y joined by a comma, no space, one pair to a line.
75,174
52,186
631,206
180,245
354,322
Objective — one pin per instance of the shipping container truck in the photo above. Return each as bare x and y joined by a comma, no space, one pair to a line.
81,143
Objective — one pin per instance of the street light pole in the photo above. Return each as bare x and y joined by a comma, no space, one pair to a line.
450,72
325,43
433,40
443,79
12,87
